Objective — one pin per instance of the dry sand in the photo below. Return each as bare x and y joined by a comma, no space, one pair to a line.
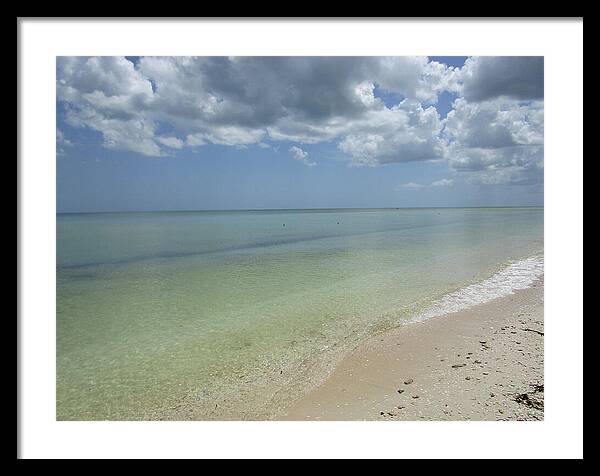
484,363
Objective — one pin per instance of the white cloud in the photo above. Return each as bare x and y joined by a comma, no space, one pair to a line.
302,156
414,77
412,186
114,76
507,165
493,124
418,186
194,140
404,133
237,101
442,183
61,142
172,142
494,133
61,139
108,94
499,141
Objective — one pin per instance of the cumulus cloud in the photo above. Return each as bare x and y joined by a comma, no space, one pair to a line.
489,77
442,183
237,101
508,165
494,133
415,77
499,141
404,133
302,156
109,95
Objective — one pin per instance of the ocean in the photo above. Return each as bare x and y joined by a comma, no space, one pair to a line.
232,315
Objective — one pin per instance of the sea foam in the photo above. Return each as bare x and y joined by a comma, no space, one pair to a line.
518,275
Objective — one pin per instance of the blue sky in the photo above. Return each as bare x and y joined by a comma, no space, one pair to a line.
236,133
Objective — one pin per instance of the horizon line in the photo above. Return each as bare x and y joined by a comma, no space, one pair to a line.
287,209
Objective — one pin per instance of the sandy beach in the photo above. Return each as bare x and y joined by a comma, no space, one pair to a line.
484,363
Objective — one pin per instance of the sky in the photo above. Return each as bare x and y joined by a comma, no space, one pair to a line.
211,133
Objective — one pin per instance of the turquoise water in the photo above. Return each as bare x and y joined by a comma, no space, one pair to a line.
232,315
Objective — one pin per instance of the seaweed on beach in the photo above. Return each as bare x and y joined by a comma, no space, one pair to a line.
530,401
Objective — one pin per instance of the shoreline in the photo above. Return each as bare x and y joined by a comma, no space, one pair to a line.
353,379
481,363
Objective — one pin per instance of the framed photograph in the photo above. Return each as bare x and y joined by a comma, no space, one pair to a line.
297,226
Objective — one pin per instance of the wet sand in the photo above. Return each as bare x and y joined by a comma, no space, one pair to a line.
484,363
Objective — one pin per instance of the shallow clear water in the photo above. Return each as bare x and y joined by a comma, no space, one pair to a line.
232,315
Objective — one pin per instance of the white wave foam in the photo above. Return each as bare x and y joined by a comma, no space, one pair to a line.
519,275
